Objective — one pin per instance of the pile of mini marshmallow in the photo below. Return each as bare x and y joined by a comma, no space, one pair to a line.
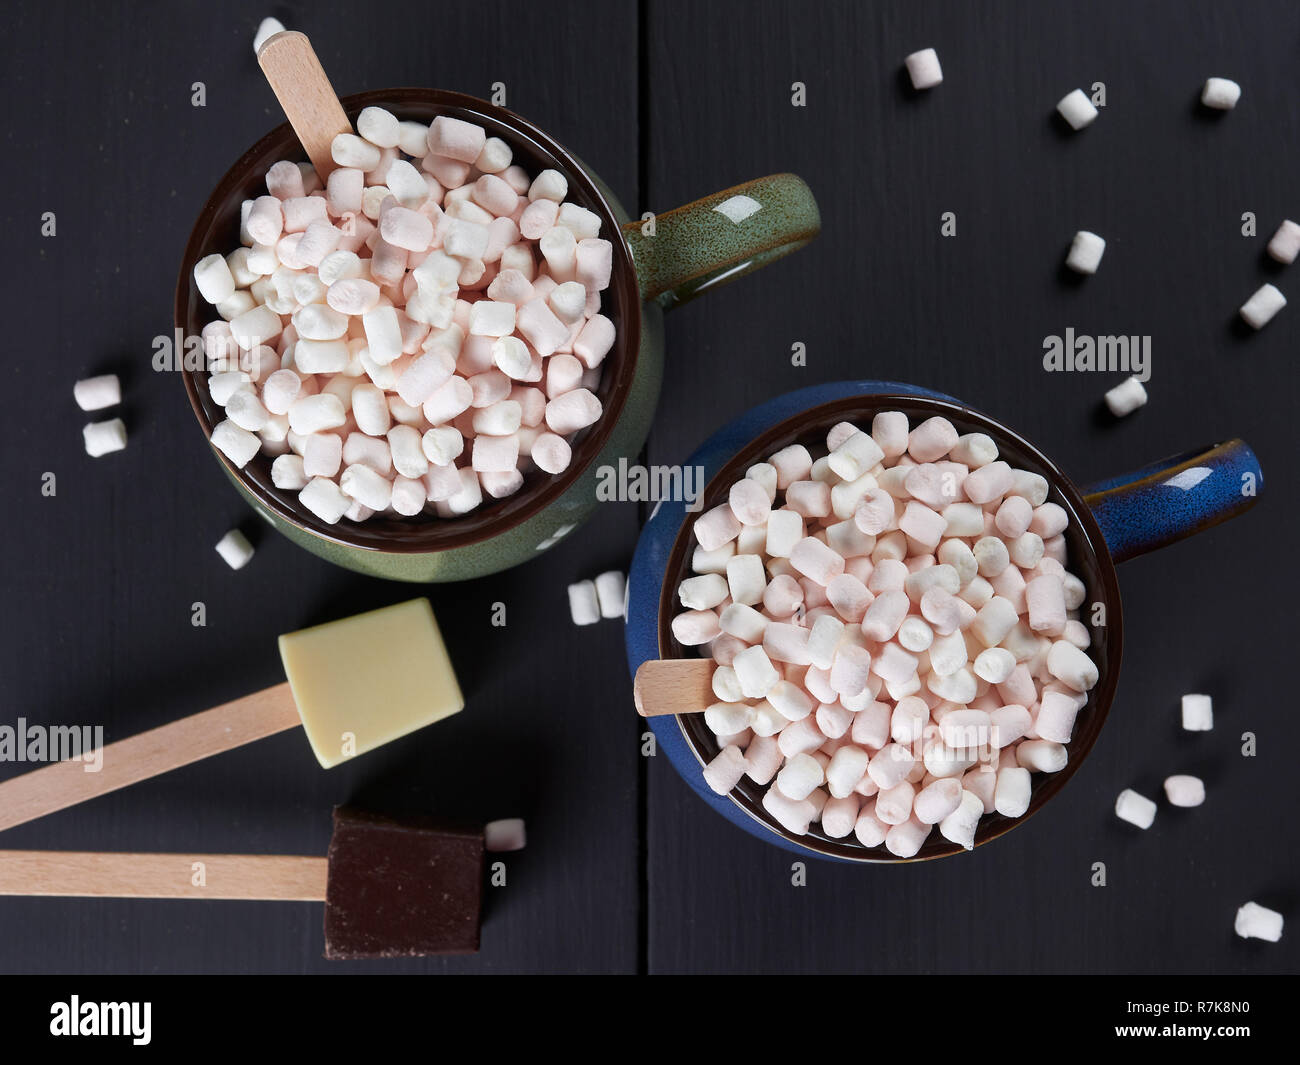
896,636
419,332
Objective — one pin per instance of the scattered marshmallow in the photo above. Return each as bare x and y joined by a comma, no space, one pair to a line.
1077,109
1259,310
584,604
96,393
1085,252
234,549
102,438
1198,713
611,593
923,68
1258,922
1135,809
1184,791
1285,244
1126,397
1221,94
503,836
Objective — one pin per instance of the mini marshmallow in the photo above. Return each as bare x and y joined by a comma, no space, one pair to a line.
1184,791
1135,809
1071,666
1221,94
238,445
724,772
213,279
323,498
1126,397
367,487
1198,713
937,800
1042,756
504,836
584,603
815,560
96,393
572,411
794,816
1285,244
1085,252
923,68
266,29
1012,793
931,440
885,615
234,549
1259,310
755,672
551,453
906,840
1077,109
855,456
1254,921
960,825
102,438
611,588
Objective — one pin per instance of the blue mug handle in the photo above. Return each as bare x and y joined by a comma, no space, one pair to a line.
1175,497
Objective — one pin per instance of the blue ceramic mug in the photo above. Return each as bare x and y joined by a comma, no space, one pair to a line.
1110,522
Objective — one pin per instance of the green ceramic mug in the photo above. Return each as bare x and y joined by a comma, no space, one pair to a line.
684,253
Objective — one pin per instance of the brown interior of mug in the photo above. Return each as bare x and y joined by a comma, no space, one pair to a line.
1088,558
217,230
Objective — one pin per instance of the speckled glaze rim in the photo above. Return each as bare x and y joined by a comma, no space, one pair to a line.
1093,564
420,536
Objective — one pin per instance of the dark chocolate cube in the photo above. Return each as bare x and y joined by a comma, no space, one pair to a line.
402,888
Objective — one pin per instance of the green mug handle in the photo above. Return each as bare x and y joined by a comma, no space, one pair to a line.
719,238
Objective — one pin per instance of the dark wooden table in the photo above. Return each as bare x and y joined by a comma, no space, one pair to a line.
625,869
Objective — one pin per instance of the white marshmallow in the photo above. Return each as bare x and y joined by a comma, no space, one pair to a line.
1254,921
1285,243
724,772
1221,94
1085,252
611,589
1135,809
584,604
1077,109
1126,397
960,825
325,499
102,438
755,672
507,834
923,68
379,127
1198,713
238,445
266,29
1259,310
1184,790
96,393
234,549
1011,796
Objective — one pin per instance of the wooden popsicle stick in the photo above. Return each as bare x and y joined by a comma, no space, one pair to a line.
673,686
305,94
163,876
62,784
